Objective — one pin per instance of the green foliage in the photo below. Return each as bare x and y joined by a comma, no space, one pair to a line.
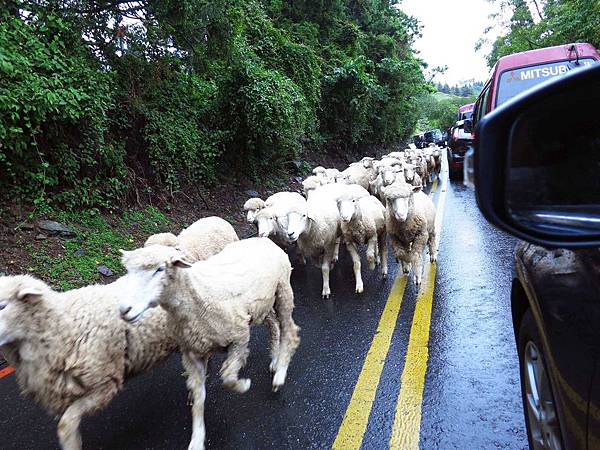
54,125
192,87
440,110
557,22
97,243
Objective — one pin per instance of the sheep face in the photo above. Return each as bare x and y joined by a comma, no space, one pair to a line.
409,173
389,176
399,200
252,207
347,208
149,271
20,307
297,223
266,223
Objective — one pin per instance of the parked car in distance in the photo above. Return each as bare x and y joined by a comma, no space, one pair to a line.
434,136
419,140
543,187
465,111
459,142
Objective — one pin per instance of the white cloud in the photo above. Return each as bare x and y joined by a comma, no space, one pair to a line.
450,31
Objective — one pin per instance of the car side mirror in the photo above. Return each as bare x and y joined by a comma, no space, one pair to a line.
468,125
537,163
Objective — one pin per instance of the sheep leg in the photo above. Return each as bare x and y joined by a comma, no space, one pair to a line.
272,324
68,425
401,254
431,246
418,246
196,379
371,251
325,268
237,354
336,251
284,305
351,246
383,254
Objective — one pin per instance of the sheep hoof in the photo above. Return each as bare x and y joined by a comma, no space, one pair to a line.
279,379
384,274
273,365
359,289
372,266
240,386
326,296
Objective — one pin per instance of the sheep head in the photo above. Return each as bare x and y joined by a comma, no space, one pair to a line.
168,239
149,271
399,199
266,221
347,207
252,207
21,304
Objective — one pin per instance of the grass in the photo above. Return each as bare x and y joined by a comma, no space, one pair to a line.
98,240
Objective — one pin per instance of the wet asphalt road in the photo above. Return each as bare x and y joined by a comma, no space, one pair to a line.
471,398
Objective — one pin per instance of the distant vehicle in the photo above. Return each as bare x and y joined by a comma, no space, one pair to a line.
419,141
536,177
434,136
466,111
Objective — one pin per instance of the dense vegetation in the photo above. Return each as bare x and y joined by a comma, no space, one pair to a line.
535,24
90,109
440,110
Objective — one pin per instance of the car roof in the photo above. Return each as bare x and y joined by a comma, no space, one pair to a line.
548,54
466,108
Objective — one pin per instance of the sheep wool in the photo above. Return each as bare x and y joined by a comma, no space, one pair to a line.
71,350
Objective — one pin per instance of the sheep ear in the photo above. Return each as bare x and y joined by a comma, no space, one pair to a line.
416,188
180,262
29,294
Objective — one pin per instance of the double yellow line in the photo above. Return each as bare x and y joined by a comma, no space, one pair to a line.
407,420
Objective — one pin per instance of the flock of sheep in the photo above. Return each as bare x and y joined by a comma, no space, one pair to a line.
73,350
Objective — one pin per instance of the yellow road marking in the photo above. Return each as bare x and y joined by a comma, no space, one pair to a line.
407,421
354,424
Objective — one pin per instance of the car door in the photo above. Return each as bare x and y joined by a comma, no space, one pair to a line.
564,292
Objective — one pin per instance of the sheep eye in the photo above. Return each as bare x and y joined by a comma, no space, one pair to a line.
2,306
303,216
160,269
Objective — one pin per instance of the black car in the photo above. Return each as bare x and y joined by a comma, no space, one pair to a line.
434,136
535,182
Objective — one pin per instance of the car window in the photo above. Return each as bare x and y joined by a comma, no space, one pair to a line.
513,82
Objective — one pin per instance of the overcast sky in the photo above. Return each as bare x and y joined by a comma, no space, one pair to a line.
450,30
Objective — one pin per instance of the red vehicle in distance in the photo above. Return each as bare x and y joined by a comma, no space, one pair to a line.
459,141
466,111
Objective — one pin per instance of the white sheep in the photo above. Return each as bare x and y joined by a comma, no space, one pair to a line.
386,176
71,351
410,224
211,305
356,174
252,206
168,239
363,222
202,239
311,183
335,192
315,227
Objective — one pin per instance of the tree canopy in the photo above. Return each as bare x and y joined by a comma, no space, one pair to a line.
97,96
535,24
